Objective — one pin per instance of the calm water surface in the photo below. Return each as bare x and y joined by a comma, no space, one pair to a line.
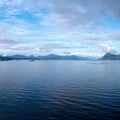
60,90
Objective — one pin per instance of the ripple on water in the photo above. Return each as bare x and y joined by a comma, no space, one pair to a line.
62,90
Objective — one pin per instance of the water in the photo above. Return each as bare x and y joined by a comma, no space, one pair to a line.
59,90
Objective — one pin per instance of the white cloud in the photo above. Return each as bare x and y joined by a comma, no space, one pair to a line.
107,49
62,26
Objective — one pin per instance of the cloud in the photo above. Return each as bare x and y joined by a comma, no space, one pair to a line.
84,11
72,12
66,52
9,41
106,49
59,26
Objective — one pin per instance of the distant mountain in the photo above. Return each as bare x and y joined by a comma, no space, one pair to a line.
17,56
4,58
47,57
110,56
58,57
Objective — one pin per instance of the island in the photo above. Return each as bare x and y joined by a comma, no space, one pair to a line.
111,56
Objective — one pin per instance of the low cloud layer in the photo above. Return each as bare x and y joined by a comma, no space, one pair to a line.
107,49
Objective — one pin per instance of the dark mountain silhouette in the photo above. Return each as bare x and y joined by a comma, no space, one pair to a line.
17,56
110,56
47,57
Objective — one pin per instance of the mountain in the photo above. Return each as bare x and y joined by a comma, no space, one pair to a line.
58,57
110,56
47,57
4,58
17,56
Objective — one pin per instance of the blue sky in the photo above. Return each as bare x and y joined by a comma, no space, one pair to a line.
65,27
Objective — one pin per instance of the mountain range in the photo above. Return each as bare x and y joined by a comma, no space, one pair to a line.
47,57
107,56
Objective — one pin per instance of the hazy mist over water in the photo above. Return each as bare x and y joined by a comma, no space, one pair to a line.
59,90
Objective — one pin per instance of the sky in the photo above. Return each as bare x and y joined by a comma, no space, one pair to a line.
63,27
